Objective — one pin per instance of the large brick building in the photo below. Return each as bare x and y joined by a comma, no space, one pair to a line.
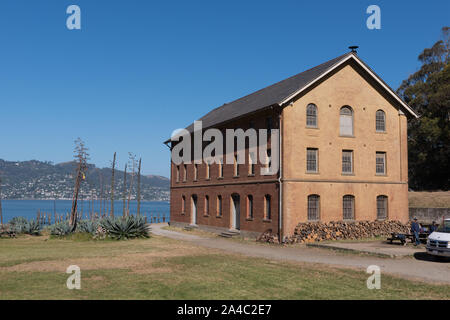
343,155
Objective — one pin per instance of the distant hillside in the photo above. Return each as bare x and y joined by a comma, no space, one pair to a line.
43,180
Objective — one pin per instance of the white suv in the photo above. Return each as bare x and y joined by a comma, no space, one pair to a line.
438,243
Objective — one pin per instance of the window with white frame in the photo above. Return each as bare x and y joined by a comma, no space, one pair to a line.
381,163
251,163
206,205
219,206
220,168
382,207
312,159
347,161
207,168
250,206
267,208
311,116
313,207
380,121
346,121
348,207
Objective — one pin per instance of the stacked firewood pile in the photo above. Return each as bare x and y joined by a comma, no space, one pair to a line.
341,230
268,236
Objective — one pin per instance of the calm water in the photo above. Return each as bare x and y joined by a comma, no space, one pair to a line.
29,208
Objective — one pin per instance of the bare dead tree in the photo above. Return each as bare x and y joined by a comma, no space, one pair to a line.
124,190
1,210
132,162
112,185
101,192
92,206
81,157
139,189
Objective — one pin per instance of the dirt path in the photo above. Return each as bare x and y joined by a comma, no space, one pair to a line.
412,268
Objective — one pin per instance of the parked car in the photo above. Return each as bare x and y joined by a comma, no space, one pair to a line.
438,243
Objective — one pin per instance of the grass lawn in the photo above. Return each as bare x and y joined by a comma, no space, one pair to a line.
429,199
161,268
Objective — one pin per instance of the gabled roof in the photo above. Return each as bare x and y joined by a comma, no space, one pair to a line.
284,91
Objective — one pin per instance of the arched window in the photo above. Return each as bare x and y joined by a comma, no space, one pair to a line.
219,206
313,207
380,121
220,168
250,206
208,170
267,209
251,162
206,205
382,207
311,116
348,207
346,121
183,204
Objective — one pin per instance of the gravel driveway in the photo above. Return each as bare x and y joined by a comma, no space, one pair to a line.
421,267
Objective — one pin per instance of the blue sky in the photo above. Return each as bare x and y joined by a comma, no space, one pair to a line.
139,69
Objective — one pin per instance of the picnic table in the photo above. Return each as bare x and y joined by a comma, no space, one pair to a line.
404,237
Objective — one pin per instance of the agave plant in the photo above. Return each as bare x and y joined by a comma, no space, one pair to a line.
18,224
125,228
18,221
60,229
88,226
33,228
22,225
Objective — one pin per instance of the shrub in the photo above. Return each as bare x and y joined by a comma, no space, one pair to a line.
33,228
18,221
125,228
18,224
21,225
88,226
60,229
